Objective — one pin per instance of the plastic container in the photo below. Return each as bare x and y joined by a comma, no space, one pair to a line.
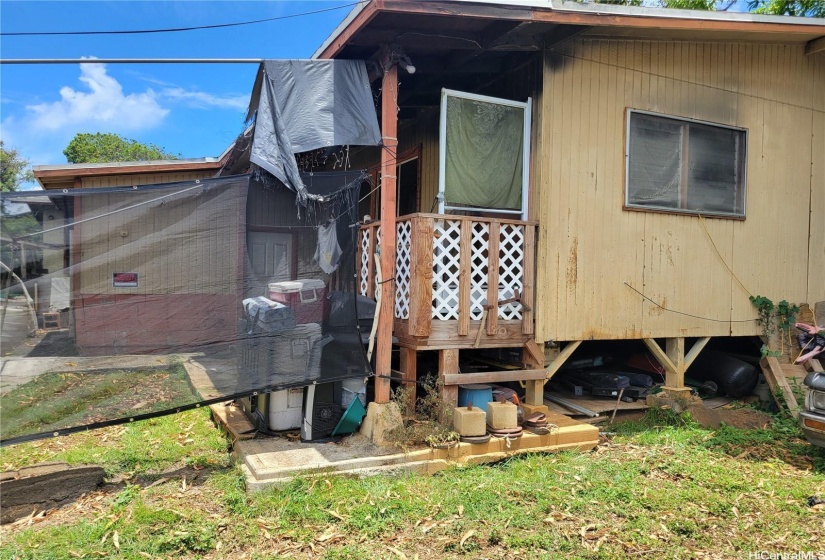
286,409
478,395
351,389
307,297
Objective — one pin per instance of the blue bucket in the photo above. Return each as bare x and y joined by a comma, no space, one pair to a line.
478,395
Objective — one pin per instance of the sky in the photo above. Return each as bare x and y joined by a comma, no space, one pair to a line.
194,110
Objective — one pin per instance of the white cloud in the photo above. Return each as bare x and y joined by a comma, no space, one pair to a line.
200,99
103,103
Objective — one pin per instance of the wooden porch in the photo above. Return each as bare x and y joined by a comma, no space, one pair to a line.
447,270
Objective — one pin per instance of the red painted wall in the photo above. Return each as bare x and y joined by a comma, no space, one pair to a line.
153,323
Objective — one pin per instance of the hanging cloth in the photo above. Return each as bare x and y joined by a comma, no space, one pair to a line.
328,253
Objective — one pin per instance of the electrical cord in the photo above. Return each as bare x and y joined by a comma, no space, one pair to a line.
174,29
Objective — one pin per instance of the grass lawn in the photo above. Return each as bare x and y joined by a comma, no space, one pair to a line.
659,487
61,400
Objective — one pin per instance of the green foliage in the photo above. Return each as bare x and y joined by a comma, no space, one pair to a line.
108,147
764,307
708,5
13,169
808,8
775,318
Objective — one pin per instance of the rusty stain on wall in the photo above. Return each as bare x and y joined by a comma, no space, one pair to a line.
572,265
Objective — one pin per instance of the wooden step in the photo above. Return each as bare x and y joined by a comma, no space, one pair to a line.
778,382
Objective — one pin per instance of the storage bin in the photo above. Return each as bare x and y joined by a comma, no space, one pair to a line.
288,358
286,409
307,298
478,395
264,316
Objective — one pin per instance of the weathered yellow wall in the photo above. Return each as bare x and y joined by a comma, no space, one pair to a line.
590,249
178,245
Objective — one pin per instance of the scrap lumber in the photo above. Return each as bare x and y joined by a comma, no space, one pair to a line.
779,384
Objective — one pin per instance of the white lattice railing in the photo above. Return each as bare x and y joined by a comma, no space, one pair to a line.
448,268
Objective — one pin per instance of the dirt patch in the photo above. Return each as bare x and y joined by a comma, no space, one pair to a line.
741,418
46,344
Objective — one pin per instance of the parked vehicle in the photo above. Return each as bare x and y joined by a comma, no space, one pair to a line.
812,417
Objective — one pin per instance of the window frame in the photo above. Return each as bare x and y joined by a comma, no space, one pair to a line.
741,167
527,107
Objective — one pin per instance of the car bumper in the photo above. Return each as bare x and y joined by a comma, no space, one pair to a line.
813,426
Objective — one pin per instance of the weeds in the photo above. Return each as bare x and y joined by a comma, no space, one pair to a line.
432,424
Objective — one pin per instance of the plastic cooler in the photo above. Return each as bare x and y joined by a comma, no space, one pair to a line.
306,297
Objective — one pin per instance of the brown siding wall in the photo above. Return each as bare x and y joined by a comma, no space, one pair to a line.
591,250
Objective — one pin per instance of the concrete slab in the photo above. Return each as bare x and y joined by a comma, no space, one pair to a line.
269,461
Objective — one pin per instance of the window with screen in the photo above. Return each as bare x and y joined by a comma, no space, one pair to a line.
685,166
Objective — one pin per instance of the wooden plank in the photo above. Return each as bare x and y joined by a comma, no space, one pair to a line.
528,279
389,138
492,277
448,366
793,371
445,335
659,354
777,382
464,265
533,353
698,346
481,219
421,277
494,376
676,352
813,365
562,357
409,364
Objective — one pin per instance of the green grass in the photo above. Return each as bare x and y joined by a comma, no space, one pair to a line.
662,486
61,400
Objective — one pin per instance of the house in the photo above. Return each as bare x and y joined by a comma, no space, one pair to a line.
640,173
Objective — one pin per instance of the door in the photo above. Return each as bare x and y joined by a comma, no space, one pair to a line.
270,255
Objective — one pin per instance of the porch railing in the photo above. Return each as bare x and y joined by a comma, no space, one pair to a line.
448,267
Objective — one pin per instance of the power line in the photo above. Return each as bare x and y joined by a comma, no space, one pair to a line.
174,29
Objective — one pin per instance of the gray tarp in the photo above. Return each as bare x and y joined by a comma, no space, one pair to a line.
304,105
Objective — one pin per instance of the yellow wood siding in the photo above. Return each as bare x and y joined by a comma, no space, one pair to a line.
178,245
591,251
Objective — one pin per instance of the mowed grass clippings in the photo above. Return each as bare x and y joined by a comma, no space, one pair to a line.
662,487
60,400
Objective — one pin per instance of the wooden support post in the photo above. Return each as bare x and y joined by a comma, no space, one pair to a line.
675,349
389,139
674,359
421,276
448,364
533,358
409,373
465,271
492,277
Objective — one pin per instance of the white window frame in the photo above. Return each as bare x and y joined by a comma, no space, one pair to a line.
744,168
442,151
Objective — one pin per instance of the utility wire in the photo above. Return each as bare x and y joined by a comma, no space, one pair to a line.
688,314
174,29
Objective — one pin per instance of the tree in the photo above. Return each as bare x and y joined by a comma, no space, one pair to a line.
108,147
809,8
13,169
